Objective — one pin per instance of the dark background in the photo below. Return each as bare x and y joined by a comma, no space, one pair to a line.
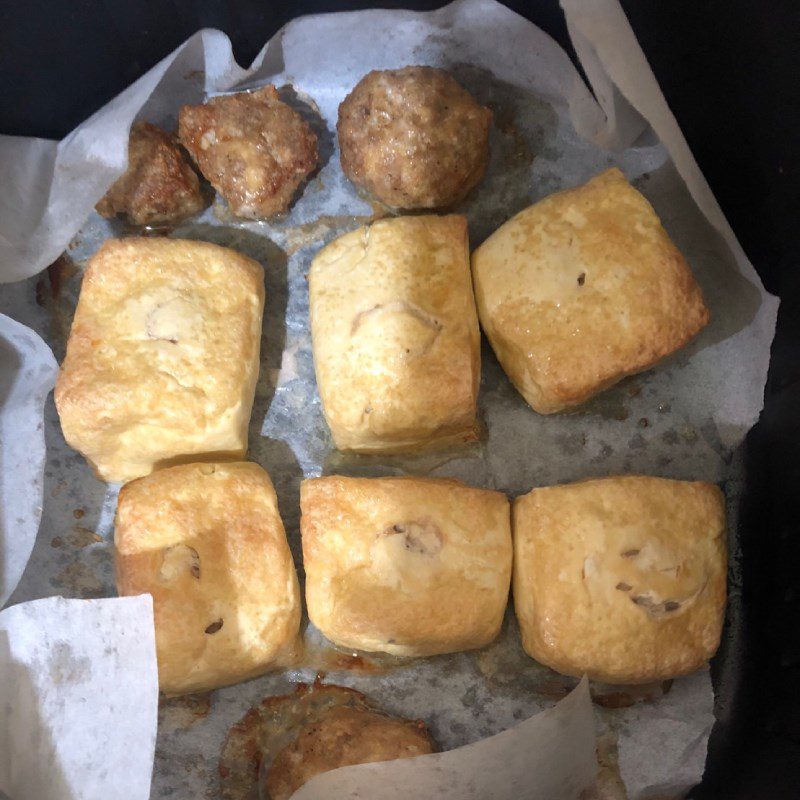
730,72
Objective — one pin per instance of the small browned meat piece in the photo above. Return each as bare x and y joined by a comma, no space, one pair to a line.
159,184
413,137
344,736
254,149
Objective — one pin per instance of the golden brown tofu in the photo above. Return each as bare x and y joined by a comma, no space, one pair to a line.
582,289
395,335
407,566
207,542
621,578
163,356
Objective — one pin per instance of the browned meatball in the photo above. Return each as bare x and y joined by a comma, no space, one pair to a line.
344,736
254,149
413,137
159,184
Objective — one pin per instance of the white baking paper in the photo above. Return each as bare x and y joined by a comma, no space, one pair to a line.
684,419
27,374
78,699
679,723
548,757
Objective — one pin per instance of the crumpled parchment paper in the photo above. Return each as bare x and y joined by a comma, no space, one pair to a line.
684,419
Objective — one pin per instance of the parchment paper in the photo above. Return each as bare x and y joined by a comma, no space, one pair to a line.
78,699
27,373
683,419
